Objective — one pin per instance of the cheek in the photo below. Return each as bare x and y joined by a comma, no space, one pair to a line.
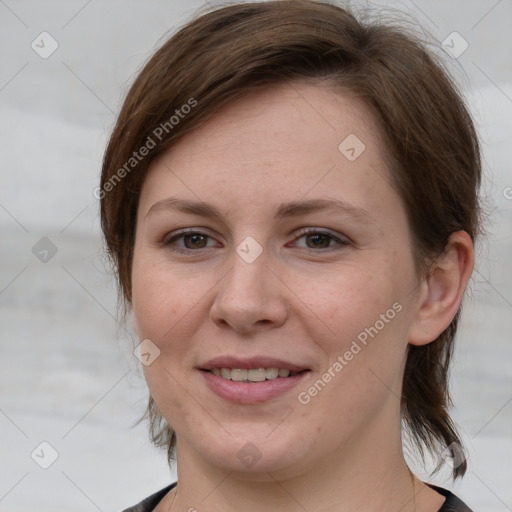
367,338
161,308
160,298
361,370
352,301
148,297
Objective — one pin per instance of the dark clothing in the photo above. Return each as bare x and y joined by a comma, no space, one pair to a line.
451,503
148,504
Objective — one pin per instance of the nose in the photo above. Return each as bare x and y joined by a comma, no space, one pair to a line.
249,298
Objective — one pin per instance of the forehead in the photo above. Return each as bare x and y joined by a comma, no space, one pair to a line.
275,145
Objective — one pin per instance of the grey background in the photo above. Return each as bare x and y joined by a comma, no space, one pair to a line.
67,372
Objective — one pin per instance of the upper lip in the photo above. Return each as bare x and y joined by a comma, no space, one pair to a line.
250,363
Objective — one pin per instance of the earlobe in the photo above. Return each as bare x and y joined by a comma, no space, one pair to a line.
443,289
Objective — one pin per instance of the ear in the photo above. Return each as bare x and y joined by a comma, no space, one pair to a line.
442,290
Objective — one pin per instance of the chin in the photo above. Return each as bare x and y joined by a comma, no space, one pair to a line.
254,459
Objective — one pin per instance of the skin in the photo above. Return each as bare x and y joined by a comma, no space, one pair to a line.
297,302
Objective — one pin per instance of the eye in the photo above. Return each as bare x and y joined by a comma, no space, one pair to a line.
317,239
188,241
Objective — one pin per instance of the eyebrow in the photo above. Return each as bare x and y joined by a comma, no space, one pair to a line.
290,209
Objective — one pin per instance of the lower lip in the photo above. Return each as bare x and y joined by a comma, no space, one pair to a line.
251,393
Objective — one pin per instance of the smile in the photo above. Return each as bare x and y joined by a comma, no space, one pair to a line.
247,391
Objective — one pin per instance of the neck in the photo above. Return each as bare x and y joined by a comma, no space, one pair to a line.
369,473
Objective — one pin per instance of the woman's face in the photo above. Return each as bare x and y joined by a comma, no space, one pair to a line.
272,240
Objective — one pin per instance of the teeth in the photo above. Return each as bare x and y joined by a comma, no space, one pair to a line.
252,375
256,374
271,373
238,375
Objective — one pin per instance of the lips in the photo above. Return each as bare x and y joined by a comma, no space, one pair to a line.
218,374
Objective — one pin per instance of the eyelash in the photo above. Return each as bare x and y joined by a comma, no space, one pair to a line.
170,243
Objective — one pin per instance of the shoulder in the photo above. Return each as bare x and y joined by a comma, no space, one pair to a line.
452,503
149,503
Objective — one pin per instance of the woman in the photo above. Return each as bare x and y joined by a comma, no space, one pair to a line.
289,197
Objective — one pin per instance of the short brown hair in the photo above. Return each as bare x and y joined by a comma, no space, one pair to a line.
428,133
